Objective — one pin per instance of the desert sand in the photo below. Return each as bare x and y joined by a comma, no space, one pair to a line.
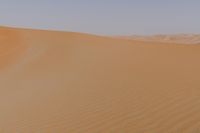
66,82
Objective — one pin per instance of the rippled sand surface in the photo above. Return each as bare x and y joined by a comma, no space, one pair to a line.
64,82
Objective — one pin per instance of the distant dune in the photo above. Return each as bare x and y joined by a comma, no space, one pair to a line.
176,38
65,82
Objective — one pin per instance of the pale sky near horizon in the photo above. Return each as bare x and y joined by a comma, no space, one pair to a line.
104,17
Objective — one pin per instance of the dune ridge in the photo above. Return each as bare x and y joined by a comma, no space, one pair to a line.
53,82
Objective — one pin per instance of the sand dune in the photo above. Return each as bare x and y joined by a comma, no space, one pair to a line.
64,82
176,38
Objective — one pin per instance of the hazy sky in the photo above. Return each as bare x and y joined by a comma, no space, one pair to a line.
112,17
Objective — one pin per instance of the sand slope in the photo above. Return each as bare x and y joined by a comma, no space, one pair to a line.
64,82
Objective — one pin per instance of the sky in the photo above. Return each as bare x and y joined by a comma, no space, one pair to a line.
104,17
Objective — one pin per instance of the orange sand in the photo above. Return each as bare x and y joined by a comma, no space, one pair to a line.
63,82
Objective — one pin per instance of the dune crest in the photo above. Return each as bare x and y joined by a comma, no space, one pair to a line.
65,82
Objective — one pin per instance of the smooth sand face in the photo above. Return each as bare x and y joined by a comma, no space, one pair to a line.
57,82
11,47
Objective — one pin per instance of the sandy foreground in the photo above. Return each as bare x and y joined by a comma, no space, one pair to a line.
64,82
